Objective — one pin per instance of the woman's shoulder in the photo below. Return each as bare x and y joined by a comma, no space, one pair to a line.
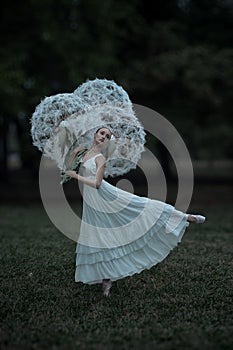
100,158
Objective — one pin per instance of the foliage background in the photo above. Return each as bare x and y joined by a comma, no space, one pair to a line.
172,56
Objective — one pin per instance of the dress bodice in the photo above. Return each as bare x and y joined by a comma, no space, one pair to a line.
88,167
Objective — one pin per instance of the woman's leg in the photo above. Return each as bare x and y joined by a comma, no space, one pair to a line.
198,219
191,218
107,284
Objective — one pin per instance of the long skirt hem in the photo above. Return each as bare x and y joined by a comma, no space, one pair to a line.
95,264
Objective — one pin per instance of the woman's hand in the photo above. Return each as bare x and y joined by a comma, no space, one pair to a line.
72,173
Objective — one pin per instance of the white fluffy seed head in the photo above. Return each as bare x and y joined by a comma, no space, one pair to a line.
102,91
63,120
49,113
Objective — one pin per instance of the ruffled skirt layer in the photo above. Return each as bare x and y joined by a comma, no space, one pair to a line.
123,234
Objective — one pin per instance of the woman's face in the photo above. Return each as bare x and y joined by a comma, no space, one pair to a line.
102,135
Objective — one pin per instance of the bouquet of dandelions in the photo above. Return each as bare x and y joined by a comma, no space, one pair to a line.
62,122
72,162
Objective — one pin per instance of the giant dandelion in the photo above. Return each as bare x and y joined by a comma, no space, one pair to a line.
63,121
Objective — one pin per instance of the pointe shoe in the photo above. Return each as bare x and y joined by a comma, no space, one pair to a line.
199,219
107,286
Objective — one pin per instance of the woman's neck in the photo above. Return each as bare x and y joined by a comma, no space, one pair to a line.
95,149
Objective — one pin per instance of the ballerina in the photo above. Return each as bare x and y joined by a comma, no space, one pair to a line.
113,242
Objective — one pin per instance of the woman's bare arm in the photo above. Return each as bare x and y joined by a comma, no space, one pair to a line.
100,165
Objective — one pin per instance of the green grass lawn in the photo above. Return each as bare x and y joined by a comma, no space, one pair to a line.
185,302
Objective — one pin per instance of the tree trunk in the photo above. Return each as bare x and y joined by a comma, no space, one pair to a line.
4,168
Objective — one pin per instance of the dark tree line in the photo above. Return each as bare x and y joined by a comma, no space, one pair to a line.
175,58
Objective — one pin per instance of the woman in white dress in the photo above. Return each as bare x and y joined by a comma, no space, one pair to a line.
121,233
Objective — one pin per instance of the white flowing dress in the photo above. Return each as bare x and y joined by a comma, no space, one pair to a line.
122,234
